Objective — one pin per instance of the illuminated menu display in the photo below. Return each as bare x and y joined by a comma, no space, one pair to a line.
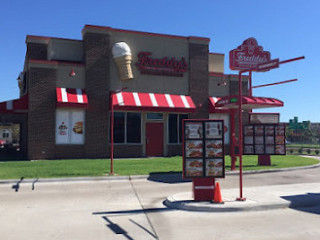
203,148
264,140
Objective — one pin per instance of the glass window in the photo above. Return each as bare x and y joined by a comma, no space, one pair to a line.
173,128
154,116
118,127
133,127
181,117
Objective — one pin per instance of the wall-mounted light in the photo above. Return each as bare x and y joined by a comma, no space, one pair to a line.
72,73
222,84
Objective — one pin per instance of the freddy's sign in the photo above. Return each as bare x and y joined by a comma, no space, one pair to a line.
248,55
161,66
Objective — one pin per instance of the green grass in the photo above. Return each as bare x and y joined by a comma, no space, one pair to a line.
101,167
293,145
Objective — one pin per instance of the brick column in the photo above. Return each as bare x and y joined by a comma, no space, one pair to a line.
97,58
41,113
199,78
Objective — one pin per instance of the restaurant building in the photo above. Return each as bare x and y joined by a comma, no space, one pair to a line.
68,89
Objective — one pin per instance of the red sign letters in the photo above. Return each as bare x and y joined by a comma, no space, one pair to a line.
248,55
163,66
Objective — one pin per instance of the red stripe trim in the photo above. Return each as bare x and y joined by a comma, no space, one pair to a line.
71,98
147,105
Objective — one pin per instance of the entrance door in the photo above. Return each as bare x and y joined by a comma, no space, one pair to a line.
154,139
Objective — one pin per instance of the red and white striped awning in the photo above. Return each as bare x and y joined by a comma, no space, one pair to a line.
248,102
135,101
15,106
71,97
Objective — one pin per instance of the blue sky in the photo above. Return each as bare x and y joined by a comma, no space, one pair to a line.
287,29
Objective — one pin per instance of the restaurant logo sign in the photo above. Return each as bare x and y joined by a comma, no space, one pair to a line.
248,55
161,66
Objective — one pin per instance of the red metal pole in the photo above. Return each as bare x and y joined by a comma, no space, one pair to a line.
250,83
291,60
271,84
111,133
240,136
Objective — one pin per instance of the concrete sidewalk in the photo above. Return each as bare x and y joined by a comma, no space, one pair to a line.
257,198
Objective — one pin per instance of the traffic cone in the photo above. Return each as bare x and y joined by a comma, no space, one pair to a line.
217,198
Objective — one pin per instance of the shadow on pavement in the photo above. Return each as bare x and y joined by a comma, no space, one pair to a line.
165,177
309,202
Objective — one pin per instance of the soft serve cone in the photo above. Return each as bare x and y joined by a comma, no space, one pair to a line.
122,57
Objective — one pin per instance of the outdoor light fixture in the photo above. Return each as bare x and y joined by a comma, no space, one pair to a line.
222,84
72,73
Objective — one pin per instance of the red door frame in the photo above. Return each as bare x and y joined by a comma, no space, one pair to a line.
154,139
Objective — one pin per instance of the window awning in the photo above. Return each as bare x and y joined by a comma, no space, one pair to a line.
248,102
15,106
71,97
135,101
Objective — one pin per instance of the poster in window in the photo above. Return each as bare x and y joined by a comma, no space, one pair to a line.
214,129
194,167
194,148
77,127
193,130
62,127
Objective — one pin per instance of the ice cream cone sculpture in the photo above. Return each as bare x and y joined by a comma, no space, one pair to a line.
122,57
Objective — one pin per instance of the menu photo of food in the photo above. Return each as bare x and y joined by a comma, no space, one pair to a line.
258,130
280,130
214,129
269,130
194,148
270,149
258,140
279,139
214,167
259,149
248,140
248,149
193,130
248,130
194,168
269,139
280,149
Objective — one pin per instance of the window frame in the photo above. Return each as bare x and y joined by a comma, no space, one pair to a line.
125,129
178,128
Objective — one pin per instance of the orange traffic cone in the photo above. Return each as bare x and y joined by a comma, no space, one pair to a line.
217,198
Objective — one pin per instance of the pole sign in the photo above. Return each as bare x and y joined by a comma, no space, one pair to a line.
203,148
248,55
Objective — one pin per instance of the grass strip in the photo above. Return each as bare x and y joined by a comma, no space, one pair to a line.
144,166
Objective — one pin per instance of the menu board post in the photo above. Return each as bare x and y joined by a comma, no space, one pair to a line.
203,154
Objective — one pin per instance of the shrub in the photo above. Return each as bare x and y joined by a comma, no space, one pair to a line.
316,152
300,150
291,151
308,150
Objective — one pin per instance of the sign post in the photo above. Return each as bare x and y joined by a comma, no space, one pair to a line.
249,57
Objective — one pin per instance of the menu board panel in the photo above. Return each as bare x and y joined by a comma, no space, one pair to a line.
203,148
264,140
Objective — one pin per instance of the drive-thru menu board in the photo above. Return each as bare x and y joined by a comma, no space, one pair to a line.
264,139
203,148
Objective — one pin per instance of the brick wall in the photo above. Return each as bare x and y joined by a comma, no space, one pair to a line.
41,116
199,79
97,58
174,150
121,151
